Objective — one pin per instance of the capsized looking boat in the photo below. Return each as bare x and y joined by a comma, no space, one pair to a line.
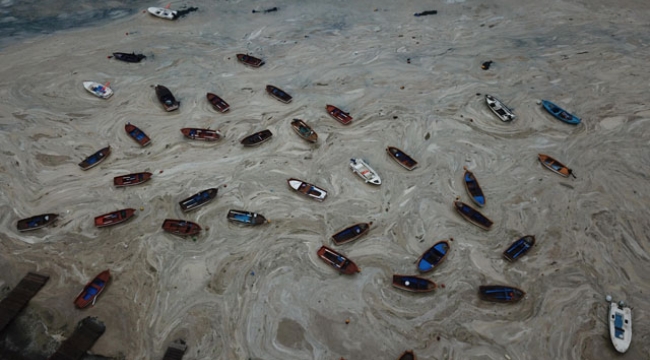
132,58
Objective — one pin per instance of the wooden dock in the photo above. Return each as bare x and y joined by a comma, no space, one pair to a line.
176,350
82,339
18,298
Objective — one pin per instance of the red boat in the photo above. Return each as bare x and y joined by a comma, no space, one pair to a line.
338,261
201,134
114,217
250,60
181,227
90,292
338,114
136,134
218,103
131,179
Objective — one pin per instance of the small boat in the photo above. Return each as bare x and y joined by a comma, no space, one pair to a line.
519,248
257,138
620,325
114,217
181,227
473,188
218,103
136,134
246,217
472,215
338,261
278,94
304,131
433,256
132,58
554,165
413,283
163,13
500,293
35,222
307,189
96,158
97,89
166,98
131,179
88,296
408,355
499,108
351,233
201,134
560,113
365,172
338,114
402,158
199,199
250,60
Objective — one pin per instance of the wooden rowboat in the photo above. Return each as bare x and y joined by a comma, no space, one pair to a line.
304,131
408,355
338,261
250,60
351,233
473,188
402,158
36,222
500,293
166,98
199,199
278,94
132,179
338,114
413,283
560,113
554,165
519,248
96,158
433,257
136,134
472,215
181,227
499,108
257,138
92,290
132,58
218,103
114,217
307,189
201,134
246,217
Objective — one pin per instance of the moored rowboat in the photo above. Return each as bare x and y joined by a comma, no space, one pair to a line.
413,283
96,158
181,227
36,222
166,98
279,94
554,165
218,103
620,326
136,134
132,179
351,233
163,13
433,257
246,217
201,134
199,199
250,60
365,172
519,248
560,113
97,89
114,217
338,261
257,138
499,108
338,114
500,293
307,189
472,215
473,188
402,158
88,296
304,131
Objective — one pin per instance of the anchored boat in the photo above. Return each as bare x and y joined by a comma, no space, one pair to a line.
338,261
136,134
307,189
351,233
96,158
279,94
620,325
163,13
36,222
365,172
338,114
218,103
519,248
97,89
114,218
472,215
181,227
433,257
408,355
131,179
92,290
413,283
500,293
166,98
250,60
257,138
304,131
246,217
473,188
560,113
199,199
402,158
201,134
499,108
554,165
132,58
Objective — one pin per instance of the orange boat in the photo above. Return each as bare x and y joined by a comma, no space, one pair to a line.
338,114
136,134
96,158
201,134
555,166
338,261
90,292
114,217
304,131
250,60
131,179
218,103
181,227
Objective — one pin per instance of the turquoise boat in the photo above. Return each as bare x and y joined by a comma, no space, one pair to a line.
433,257
560,113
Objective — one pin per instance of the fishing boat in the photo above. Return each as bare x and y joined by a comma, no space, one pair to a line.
279,94
250,60
163,13
338,114
132,58
132,179
402,158
473,188
88,296
500,293
97,89
218,103
433,257
166,98
519,248
554,165
338,261
36,222
560,113
304,131
499,108
408,355
136,134
257,138
181,227
351,233
307,189
199,199
96,158
620,325
365,172
413,283
201,134
472,215
246,217
114,217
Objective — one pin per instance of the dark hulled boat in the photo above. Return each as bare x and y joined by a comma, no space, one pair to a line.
132,58
338,261
278,94
166,98
181,227
554,165
95,159
473,188
413,283
307,189
88,296
132,179
500,293
199,199
433,256
246,217
408,355
250,60
472,215
36,222
519,248
201,134
338,114
402,158
218,103
304,131
136,134
114,217
257,138
351,233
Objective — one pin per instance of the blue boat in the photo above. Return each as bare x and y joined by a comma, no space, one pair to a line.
246,217
198,199
472,215
433,257
96,158
500,293
519,248
351,233
560,113
473,188
413,283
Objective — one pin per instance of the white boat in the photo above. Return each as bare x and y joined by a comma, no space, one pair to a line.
163,13
364,171
98,89
307,189
620,325
499,108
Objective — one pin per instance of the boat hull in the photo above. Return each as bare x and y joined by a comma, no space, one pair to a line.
199,199
365,172
126,57
401,158
339,115
554,165
413,283
95,159
246,217
304,131
473,188
257,138
472,215
131,179
500,293
181,227
88,296
338,261
519,248
250,60
163,13
499,108
201,134
218,103
166,98
114,218
136,134
560,113
278,94
36,222
351,233
307,189
433,257
620,327
408,355
97,89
